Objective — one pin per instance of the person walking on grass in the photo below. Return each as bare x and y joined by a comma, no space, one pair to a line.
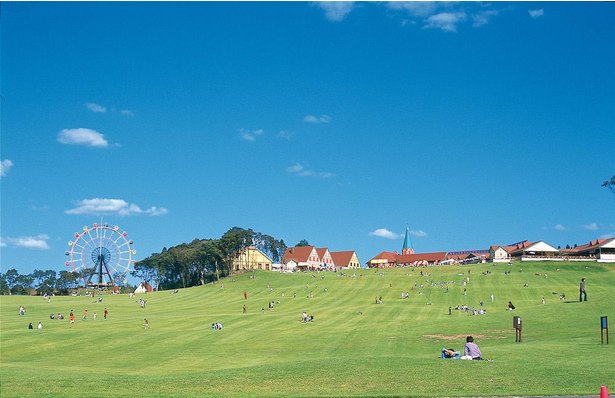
582,292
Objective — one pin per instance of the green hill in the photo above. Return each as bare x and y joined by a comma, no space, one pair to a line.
354,347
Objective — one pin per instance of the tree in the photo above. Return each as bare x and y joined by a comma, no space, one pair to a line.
67,280
4,287
610,184
146,269
11,278
207,257
44,281
232,243
23,284
302,242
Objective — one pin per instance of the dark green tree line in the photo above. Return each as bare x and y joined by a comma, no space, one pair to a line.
39,282
203,260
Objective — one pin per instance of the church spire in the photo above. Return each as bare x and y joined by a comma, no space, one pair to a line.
407,249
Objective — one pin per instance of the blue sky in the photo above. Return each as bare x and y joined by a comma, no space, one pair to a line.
473,123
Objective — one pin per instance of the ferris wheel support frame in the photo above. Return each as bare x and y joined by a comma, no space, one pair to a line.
98,271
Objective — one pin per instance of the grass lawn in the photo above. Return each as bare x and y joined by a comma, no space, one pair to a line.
353,348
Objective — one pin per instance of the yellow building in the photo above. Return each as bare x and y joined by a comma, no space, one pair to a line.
252,259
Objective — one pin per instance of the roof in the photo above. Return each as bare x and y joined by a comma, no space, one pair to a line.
342,258
298,253
511,247
389,256
588,246
526,246
321,252
429,257
407,242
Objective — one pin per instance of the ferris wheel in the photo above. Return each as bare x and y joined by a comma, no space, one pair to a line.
103,253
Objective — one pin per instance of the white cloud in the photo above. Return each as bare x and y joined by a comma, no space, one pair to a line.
536,13
385,233
248,135
299,170
483,17
444,15
419,233
421,9
608,236
127,112
5,166
82,136
591,227
38,242
95,107
446,21
335,11
317,119
99,206
560,227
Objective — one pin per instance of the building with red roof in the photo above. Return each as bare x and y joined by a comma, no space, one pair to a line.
601,250
305,257
346,259
325,257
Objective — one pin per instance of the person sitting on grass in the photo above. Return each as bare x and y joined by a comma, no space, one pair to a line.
145,323
471,350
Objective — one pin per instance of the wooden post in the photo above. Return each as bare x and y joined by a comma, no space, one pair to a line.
517,324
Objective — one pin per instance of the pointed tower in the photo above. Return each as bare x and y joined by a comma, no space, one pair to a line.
407,249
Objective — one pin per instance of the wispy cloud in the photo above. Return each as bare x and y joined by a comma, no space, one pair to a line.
120,207
5,166
287,135
299,170
537,13
444,15
127,112
608,236
590,227
560,227
248,135
96,108
38,242
317,119
446,21
82,136
421,9
335,11
483,17
419,233
385,233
